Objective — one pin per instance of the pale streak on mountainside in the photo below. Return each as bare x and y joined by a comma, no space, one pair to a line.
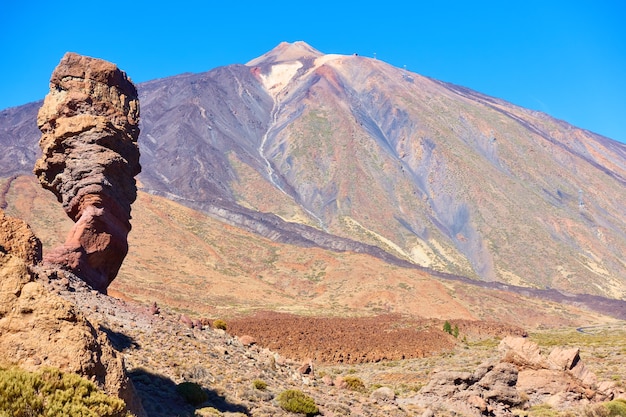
278,79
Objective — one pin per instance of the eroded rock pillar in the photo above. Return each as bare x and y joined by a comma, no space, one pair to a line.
90,126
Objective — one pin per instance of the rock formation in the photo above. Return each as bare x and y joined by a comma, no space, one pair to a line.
523,377
39,328
89,124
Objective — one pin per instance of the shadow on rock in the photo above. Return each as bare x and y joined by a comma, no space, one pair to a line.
161,398
120,341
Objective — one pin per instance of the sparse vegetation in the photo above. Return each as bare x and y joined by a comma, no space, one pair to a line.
219,324
455,331
617,408
296,401
259,384
541,410
193,393
354,383
50,392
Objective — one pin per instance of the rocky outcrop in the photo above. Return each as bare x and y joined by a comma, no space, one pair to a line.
558,378
39,328
525,376
489,390
89,124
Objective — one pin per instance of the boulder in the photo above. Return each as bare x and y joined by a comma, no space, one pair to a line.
521,352
448,383
185,320
306,367
499,384
583,374
563,359
41,329
18,240
90,125
383,395
478,403
247,340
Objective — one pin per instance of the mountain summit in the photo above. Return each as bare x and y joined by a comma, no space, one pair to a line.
351,153
287,52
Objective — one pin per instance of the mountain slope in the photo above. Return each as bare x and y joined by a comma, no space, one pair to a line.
350,153
187,260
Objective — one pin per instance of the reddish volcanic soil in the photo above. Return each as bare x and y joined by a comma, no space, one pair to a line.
356,339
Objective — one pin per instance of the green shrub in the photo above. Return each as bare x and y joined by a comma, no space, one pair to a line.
617,408
296,401
49,392
354,383
447,327
219,324
192,393
542,410
259,384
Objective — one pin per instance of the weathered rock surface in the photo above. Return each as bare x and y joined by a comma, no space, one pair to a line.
491,388
524,376
89,124
17,239
39,328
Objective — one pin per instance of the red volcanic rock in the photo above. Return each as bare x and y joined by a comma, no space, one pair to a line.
247,340
306,367
90,125
154,309
186,321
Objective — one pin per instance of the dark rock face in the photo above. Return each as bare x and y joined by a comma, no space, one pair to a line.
89,123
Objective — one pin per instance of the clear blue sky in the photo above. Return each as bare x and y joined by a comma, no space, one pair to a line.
566,58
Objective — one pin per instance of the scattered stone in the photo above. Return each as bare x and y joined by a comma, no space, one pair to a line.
383,394
154,309
328,381
477,402
340,383
499,384
247,340
447,383
428,413
186,321
306,368
524,374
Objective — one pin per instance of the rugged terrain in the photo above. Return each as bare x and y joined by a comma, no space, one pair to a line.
204,267
161,349
350,153
338,213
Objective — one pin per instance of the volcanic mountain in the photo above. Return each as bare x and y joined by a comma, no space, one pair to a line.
349,153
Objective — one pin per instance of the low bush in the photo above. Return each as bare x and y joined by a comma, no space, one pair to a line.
219,324
50,392
617,408
193,393
296,401
354,383
259,384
